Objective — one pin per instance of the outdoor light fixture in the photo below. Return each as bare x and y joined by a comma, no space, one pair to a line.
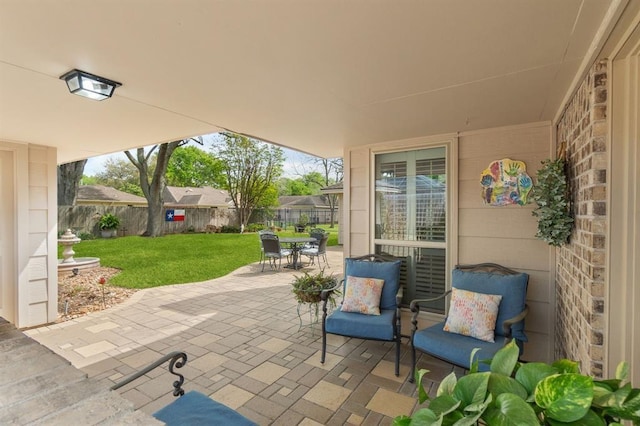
89,85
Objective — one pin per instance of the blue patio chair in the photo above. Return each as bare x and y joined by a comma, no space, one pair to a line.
455,346
188,409
383,325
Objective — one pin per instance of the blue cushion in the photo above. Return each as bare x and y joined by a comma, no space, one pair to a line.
379,327
387,271
455,348
194,408
512,288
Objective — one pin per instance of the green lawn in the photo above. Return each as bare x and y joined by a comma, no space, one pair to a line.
175,259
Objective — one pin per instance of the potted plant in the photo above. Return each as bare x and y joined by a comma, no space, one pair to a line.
108,224
303,221
552,196
308,287
533,393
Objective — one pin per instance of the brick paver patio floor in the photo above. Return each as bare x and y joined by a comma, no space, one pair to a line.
245,349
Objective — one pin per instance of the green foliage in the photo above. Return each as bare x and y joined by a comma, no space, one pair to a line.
255,227
527,394
308,287
303,220
108,221
288,186
86,236
120,174
269,197
191,166
551,195
230,229
251,167
89,180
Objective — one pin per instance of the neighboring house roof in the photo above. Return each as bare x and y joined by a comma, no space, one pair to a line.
336,188
301,201
100,194
198,197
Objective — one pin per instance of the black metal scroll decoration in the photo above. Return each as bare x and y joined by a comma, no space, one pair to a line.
176,360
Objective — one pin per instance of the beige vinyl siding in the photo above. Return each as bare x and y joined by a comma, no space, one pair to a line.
38,293
479,233
358,199
506,235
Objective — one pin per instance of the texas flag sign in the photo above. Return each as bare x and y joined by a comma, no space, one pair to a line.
172,215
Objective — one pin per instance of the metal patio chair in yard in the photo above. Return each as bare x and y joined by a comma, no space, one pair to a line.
273,251
260,234
317,233
370,308
319,251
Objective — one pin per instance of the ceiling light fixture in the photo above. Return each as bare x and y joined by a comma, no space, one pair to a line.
89,85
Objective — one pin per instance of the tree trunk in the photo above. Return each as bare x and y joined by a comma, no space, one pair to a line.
153,186
333,207
69,177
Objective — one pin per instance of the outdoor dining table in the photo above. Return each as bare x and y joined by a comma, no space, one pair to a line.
295,244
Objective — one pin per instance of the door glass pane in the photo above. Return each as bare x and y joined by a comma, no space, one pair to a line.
410,214
411,196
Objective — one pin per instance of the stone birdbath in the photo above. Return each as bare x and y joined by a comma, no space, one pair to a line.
68,262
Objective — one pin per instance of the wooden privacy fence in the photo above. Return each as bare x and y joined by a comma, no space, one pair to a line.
133,219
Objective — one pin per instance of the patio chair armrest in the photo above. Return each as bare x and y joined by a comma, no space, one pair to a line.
415,308
507,324
399,296
415,303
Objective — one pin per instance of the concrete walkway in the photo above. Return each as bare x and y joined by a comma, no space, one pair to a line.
40,387
246,349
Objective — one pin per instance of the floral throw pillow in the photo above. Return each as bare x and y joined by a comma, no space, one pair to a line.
473,314
362,295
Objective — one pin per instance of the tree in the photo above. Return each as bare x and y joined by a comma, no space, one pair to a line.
152,181
287,186
191,166
121,175
69,176
252,167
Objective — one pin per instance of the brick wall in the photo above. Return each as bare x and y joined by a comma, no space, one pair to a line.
580,275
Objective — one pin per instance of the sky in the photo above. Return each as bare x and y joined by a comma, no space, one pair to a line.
296,163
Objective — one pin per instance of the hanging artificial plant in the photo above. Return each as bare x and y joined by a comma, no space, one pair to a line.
552,196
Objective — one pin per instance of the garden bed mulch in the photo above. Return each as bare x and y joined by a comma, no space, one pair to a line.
83,293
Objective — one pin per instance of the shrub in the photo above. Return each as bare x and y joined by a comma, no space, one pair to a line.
304,220
108,221
228,229
86,236
532,393
255,227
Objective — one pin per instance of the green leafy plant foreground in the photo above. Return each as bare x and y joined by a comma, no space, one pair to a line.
551,195
527,394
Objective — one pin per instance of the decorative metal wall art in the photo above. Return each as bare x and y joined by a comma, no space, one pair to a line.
506,182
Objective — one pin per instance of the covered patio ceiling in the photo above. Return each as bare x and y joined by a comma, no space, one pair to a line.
315,76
